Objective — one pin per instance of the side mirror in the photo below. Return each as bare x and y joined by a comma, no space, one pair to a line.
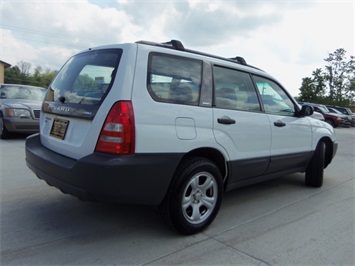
306,110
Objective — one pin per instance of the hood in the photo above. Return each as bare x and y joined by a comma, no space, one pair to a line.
20,103
335,115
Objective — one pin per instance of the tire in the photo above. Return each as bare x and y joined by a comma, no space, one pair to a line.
330,122
315,169
194,197
4,133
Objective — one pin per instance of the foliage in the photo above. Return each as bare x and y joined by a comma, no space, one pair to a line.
20,74
85,82
335,84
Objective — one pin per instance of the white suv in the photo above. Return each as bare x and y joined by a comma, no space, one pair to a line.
158,124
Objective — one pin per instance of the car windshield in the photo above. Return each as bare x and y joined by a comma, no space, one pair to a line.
324,109
349,111
335,111
22,92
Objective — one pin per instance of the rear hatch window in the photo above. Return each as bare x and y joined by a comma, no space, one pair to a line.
82,84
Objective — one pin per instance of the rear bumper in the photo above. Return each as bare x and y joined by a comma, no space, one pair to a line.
136,179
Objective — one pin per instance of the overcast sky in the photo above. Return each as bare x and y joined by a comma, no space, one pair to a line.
288,39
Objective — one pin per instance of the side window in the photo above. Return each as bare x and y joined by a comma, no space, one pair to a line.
274,98
234,90
174,79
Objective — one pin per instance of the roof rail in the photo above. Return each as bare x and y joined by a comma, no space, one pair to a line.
171,44
240,60
177,45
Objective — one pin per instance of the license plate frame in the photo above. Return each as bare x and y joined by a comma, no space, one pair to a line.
59,128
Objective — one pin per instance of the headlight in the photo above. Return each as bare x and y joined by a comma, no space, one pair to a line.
17,112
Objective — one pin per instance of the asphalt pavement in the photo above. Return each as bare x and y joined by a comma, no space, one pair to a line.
279,222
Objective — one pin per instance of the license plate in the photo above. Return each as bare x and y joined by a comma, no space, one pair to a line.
59,128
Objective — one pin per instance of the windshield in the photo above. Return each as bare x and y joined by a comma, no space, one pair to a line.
349,111
85,78
335,111
22,92
324,109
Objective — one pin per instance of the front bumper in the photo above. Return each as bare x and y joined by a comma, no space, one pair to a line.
335,149
136,179
345,123
21,125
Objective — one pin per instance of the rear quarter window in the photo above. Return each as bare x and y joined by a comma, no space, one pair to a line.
174,79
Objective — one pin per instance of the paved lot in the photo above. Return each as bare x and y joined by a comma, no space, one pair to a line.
280,222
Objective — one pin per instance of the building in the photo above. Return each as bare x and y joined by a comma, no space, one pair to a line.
3,65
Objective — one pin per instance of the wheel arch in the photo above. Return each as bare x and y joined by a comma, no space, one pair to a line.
328,150
182,199
213,155
331,121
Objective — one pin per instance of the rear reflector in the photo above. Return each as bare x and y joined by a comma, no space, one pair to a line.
118,132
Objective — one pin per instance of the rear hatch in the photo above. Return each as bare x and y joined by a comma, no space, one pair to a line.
79,98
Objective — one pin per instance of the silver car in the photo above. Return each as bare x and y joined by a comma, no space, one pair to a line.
20,107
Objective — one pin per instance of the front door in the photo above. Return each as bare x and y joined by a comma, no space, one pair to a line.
291,135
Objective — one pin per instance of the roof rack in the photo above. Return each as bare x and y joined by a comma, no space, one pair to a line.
173,44
240,60
177,45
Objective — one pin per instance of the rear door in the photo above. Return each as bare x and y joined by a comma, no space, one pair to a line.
239,124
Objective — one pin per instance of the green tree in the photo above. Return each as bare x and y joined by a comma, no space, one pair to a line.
339,74
36,77
42,79
20,74
48,76
85,82
13,75
313,88
307,91
24,68
332,85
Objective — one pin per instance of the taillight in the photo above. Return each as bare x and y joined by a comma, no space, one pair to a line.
117,135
